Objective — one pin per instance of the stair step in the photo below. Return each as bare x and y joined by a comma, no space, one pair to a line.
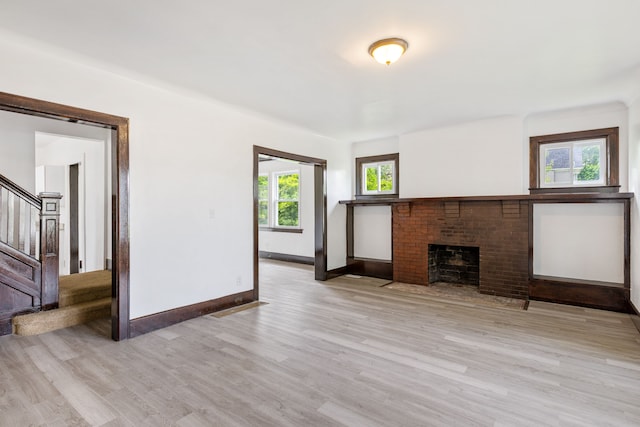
51,320
83,287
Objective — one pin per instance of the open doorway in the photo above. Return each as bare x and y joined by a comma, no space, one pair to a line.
318,172
119,198
78,168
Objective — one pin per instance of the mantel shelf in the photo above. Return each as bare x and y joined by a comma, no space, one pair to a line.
553,197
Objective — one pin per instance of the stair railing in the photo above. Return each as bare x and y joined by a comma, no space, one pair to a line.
30,224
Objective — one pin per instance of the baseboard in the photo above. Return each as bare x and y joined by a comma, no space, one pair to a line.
612,298
287,257
370,268
152,322
340,271
635,318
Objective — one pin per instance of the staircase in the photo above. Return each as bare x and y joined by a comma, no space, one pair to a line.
82,297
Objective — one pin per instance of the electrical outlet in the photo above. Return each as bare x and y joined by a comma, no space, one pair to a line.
239,281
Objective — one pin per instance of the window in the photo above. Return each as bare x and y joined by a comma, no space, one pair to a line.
287,199
377,176
263,199
575,161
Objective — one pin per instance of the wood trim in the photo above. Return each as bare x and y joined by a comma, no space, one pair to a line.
395,157
602,189
337,272
635,318
289,156
550,198
299,259
614,298
612,154
120,175
350,231
370,268
24,194
320,220
320,210
146,324
281,230
50,249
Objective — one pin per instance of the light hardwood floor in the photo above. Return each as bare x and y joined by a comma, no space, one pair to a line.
323,354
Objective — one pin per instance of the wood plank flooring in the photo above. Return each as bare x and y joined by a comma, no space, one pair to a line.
323,354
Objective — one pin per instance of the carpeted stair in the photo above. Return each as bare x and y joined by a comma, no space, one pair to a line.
82,297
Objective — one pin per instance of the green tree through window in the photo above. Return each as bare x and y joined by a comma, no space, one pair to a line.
288,203
263,200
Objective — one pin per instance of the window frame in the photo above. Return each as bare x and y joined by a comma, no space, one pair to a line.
268,175
275,199
361,162
610,160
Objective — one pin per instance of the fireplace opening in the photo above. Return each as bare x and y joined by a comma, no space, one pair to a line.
454,264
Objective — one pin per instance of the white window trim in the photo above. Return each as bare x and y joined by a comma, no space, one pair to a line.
365,166
570,145
274,193
268,224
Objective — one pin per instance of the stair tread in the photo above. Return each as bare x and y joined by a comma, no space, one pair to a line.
85,281
46,316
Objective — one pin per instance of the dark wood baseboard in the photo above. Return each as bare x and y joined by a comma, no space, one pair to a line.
370,268
635,318
5,326
287,257
613,298
161,320
336,272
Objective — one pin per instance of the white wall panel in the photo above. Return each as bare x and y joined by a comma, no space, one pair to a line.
579,241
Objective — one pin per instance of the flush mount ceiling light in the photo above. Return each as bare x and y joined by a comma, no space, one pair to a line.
388,51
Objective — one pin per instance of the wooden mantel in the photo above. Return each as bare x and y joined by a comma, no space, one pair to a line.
503,226
544,198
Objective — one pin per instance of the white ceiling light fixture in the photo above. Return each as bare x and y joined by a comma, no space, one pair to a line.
388,51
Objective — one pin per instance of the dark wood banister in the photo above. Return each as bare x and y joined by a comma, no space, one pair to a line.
15,188
48,204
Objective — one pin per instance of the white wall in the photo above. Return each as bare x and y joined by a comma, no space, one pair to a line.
17,143
479,158
301,244
62,150
180,254
634,186
579,241
372,232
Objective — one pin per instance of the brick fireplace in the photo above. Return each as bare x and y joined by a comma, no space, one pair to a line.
497,228
501,229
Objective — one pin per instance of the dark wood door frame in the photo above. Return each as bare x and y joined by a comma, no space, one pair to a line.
320,210
119,196
74,213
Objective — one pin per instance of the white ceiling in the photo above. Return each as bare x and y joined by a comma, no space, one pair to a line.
306,62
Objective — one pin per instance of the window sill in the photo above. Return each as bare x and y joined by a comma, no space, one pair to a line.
281,230
376,196
576,189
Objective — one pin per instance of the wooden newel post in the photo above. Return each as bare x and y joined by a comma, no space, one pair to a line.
50,248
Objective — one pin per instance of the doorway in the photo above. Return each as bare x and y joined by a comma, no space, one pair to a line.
319,210
119,195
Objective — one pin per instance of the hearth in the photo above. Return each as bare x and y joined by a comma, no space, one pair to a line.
454,264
